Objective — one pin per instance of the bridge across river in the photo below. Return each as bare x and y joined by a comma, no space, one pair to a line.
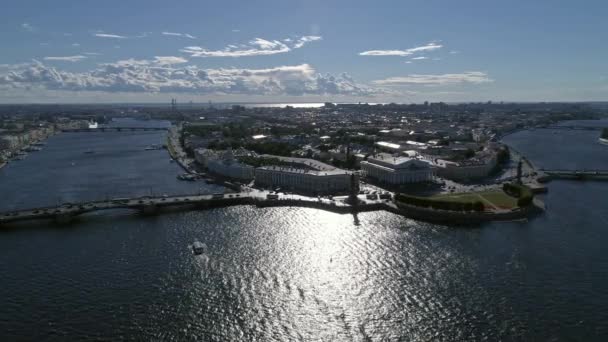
114,129
146,205
582,174
572,127
151,205
66,212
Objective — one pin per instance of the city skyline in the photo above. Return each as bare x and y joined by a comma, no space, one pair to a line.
302,52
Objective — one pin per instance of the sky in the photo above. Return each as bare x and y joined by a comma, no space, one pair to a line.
76,51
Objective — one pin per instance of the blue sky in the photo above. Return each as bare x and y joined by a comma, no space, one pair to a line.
274,51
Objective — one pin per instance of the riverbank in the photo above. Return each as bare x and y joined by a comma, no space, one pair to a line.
176,151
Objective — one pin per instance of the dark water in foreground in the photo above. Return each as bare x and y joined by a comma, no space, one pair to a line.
294,274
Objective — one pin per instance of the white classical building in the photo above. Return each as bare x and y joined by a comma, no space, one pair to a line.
467,169
305,175
390,169
310,181
224,164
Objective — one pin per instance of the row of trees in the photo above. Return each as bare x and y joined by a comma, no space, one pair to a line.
477,206
276,148
523,193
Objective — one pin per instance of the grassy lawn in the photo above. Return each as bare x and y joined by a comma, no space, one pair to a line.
497,199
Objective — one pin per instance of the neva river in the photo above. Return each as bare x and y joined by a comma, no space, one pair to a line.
289,274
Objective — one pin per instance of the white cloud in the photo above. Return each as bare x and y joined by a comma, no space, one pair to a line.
105,35
28,27
153,76
454,52
92,53
235,30
168,60
176,34
255,47
408,52
77,58
419,58
304,40
474,77
75,44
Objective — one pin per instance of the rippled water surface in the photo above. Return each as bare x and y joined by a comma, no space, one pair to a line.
291,273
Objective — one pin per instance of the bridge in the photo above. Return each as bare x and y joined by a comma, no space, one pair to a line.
150,205
572,127
146,205
114,129
582,174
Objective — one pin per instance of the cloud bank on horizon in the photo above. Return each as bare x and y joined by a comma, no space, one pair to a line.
160,76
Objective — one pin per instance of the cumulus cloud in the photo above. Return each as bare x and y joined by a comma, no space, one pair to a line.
158,76
77,58
106,35
177,34
168,60
304,40
255,47
403,53
474,77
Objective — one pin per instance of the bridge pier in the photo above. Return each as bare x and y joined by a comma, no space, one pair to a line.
149,209
63,218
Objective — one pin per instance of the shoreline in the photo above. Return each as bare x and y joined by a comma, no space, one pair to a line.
158,205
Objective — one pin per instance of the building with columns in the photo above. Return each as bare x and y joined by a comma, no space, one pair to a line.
396,170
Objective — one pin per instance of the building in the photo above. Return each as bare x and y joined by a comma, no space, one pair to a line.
305,180
305,175
224,164
468,169
395,170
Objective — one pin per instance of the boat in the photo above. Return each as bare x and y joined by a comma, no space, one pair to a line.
198,247
153,147
186,177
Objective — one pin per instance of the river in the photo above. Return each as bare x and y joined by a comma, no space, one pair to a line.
293,273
